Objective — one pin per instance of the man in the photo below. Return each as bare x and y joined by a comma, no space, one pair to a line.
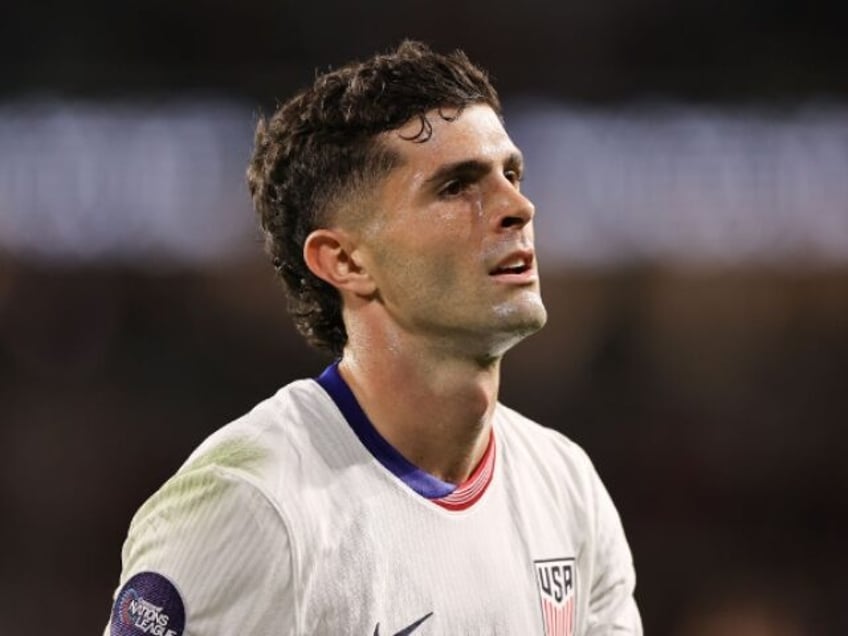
393,494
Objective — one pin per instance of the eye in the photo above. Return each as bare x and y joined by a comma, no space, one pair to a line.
453,188
514,177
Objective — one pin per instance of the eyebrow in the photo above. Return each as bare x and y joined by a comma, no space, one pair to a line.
471,169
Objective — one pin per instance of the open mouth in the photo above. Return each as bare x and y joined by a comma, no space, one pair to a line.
516,264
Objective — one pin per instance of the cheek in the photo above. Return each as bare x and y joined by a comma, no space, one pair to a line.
431,275
429,280
428,261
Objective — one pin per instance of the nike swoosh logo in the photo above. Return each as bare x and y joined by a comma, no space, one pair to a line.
408,629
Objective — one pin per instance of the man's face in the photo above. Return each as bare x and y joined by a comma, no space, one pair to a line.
450,243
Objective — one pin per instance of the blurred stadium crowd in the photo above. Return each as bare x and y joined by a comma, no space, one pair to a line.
689,164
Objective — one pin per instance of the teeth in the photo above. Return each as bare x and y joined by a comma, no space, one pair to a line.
517,263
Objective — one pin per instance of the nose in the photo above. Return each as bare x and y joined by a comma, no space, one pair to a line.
513,209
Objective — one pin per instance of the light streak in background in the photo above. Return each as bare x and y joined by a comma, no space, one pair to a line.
162,185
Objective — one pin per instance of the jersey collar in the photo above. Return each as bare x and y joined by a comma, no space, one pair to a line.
444,494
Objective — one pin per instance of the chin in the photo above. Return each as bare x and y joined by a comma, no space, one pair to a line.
516,321
533,323
528,312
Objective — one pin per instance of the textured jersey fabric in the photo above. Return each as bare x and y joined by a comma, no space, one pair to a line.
285,522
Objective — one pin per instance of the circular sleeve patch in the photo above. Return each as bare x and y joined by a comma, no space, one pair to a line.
148,604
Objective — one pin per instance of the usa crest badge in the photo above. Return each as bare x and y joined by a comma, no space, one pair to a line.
556,580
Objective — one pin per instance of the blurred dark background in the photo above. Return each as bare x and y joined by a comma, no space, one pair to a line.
704,373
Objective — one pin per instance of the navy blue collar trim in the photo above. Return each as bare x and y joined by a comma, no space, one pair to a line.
420,481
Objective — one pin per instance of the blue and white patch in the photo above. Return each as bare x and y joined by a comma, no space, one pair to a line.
148,604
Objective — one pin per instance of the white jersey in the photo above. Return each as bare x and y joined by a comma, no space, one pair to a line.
299,518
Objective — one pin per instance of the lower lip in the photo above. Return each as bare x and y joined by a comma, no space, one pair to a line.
523,278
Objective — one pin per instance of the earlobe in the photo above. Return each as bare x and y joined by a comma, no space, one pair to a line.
332,256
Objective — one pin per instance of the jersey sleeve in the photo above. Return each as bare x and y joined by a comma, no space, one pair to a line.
612,606
208,555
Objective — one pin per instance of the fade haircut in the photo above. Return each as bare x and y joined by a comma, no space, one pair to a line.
321,149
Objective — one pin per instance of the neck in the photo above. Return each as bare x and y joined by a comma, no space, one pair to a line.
434,408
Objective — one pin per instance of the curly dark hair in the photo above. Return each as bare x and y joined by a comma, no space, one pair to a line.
320,148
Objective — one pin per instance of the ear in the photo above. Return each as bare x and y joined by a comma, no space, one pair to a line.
332,256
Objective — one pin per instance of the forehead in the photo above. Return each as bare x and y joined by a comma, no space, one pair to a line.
475,133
